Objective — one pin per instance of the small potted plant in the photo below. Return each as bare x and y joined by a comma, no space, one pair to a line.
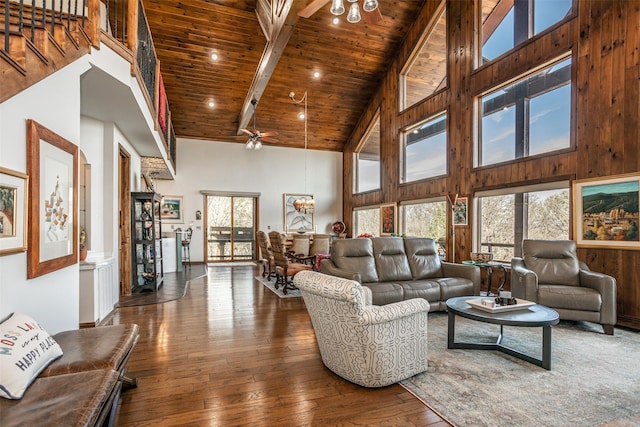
83,246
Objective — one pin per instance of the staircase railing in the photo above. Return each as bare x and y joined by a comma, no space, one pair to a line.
122,22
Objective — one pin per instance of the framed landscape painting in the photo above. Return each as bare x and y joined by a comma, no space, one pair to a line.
52,163
171,209
13,211
606,212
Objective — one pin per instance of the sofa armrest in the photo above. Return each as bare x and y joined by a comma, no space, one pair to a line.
328,267
376,314
606,286
524,282
466,271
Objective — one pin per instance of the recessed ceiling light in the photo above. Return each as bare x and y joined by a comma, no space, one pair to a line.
316,74
214,56
212,104
301,116
335,20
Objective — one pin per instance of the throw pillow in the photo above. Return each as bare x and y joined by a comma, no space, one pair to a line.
25,350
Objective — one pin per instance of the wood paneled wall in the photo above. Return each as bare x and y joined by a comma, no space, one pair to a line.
603,38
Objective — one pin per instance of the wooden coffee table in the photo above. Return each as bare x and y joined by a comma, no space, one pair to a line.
530,317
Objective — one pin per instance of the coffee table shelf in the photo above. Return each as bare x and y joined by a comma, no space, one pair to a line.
533,316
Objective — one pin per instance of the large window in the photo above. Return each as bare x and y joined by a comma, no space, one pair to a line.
529,117
367,160
424,219
366,221
507,23
426,71
508,217
424,154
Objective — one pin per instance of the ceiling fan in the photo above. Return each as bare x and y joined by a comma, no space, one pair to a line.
372,13
255,136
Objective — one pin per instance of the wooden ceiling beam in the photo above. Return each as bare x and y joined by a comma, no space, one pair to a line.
284,16
312,8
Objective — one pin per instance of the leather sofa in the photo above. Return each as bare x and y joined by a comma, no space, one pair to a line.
82,387
398,269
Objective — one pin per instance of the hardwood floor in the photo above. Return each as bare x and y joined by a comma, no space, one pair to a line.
231,353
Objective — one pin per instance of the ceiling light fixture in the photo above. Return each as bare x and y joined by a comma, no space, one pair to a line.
212,104
303,205
337,8
214,56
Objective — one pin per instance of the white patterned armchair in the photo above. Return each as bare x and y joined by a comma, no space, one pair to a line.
369,345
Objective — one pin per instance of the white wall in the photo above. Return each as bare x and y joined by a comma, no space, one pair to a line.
52,299
271,171
55,102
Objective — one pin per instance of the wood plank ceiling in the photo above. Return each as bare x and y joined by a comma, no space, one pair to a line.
351,60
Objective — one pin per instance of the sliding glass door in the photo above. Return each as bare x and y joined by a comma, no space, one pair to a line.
231,225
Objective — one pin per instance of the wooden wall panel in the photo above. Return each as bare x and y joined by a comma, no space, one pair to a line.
603,38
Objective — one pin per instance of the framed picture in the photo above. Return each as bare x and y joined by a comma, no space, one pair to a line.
52,164
606,212
298,216
460,211
14,193
388,219
171,209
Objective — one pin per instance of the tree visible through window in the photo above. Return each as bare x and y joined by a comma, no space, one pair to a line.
366,221
506,219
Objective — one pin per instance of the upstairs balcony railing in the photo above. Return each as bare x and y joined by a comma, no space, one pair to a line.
120,23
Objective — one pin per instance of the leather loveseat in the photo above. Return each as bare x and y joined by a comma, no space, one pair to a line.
82,387
397,269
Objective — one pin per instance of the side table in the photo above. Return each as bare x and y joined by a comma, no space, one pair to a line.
488,267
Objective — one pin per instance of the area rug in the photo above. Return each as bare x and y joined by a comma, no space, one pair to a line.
174,287
271,286
594,378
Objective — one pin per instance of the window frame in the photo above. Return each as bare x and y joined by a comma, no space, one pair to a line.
402,157
354,227
519,229
477,112
478,64
361,144
420,44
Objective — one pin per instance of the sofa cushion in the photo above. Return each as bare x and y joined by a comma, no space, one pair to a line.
427,289
390,258
64,400
454,287
423,258
385,293
25,350
355,255
93,348
569,297
554,262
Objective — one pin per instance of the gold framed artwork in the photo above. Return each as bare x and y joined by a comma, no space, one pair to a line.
605,212
14,194
297,217
388,219
52,164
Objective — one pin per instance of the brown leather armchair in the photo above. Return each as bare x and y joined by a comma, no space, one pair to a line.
550,274
267,260
285,268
